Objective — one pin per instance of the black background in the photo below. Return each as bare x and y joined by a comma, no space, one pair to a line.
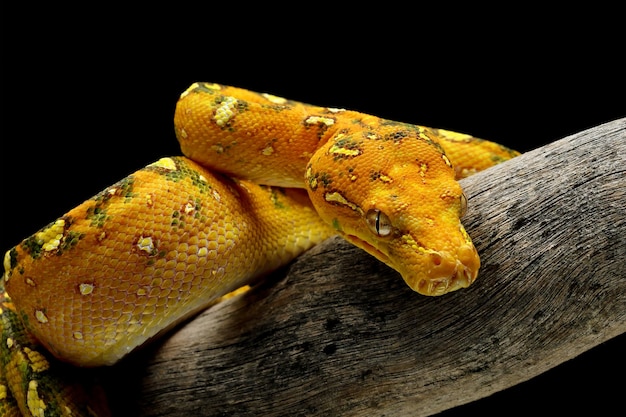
88,97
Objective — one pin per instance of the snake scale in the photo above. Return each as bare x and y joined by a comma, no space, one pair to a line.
263,179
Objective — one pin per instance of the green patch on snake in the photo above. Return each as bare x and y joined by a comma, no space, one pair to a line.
197,207
424,136
32,246
159,255
200,182
24,319
206,88
183,172
324,178
398,135
314,179
177,221
377,175
277,107
177,171
226,108
404,125
345,147
12,257
24,370
321,122
240,105
499,158
69,241
193,209
97,215
359,122
123,188
337,225
274,195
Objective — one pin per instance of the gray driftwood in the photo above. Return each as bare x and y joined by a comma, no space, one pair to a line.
338,333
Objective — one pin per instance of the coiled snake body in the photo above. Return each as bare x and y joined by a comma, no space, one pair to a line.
175,236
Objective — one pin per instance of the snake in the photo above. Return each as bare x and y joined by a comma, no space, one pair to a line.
262,180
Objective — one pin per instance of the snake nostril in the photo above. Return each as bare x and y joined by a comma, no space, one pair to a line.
436,258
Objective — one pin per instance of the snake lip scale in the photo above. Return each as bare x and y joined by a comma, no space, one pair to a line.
461,276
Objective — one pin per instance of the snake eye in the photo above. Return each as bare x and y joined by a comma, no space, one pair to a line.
378,223
463,205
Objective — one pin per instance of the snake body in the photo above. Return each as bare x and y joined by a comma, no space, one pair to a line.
171,238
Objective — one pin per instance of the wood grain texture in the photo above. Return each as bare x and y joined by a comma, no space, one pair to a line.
339,333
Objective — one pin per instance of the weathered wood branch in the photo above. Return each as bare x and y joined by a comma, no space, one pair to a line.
341,334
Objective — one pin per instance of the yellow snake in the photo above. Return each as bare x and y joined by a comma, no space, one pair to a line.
173,237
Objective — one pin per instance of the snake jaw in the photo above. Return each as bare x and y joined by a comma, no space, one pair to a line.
426,271
367,247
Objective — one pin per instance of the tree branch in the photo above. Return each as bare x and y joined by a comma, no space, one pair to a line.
339,333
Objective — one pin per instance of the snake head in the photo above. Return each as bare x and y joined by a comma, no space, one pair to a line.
405,210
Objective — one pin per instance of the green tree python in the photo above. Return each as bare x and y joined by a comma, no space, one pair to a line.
263,179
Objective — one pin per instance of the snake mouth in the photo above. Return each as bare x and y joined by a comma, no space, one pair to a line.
371,249
441,272
461,277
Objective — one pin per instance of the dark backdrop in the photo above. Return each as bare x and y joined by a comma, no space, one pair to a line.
88,97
